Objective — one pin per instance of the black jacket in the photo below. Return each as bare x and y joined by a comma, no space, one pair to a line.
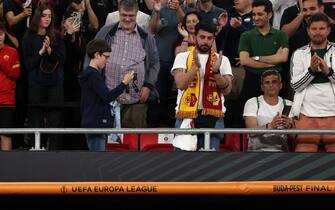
95,99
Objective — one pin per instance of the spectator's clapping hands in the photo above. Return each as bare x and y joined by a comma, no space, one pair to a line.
217,62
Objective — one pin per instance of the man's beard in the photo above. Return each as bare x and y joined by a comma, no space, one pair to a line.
203,48
318,40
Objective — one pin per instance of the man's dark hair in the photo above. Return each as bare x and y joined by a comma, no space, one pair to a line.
205,26
97,45
318,17
270,72
320,2
128,5
266,3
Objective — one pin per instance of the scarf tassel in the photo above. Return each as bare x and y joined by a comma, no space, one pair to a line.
186,114
213,112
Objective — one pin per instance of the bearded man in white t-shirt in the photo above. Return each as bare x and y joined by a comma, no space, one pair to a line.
202,77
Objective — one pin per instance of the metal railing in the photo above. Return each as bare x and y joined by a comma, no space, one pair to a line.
206,131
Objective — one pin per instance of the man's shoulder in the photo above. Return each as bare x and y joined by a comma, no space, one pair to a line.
251,32
183,54
302,49
105,30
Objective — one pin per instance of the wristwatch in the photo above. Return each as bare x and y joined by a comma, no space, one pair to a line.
256,58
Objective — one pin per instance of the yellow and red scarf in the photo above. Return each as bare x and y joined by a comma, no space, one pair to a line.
211,99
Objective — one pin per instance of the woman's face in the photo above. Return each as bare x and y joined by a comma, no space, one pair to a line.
45,18
191,21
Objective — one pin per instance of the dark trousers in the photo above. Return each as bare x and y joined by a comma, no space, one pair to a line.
162,112
45,110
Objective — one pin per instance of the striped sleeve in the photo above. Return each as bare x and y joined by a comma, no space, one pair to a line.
331,75
300,76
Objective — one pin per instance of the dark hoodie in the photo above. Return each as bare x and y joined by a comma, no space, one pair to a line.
95,99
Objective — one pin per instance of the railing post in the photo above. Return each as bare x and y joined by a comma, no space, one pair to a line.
37,142
207,141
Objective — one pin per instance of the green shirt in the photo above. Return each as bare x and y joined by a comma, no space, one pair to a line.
256,44
320,77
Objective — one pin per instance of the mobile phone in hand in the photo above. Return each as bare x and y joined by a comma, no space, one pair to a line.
286,110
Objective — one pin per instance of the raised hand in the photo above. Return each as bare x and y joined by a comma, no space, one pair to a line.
47,44
315,61
71,26
27,11
128,77
157,5
182,31
323,66
235,22
196,62
217,62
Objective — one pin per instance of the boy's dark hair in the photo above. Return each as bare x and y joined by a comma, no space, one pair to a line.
205,26
318,17
97,45
266,3
128,4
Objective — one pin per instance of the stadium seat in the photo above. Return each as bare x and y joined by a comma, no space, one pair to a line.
158,147
130,142
233,143
117,147
156,142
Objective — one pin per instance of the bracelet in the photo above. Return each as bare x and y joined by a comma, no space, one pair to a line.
186,41
215,72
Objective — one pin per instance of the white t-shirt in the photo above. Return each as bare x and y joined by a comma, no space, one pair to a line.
266,112
319,100
180,63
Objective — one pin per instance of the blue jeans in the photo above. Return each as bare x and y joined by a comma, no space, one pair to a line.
96,142
215,138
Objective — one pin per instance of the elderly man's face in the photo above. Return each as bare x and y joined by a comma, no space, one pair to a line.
128,19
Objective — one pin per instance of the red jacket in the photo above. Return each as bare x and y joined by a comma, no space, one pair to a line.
9,72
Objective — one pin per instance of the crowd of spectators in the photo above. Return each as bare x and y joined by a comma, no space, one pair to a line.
43,52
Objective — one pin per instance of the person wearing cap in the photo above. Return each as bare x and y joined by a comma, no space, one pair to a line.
313,79
9,73
95,98
265,111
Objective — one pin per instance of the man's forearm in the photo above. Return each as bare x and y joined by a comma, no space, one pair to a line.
249,62
154,22
273,59
293,26
223,83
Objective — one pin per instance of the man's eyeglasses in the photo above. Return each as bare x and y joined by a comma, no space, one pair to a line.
133,84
